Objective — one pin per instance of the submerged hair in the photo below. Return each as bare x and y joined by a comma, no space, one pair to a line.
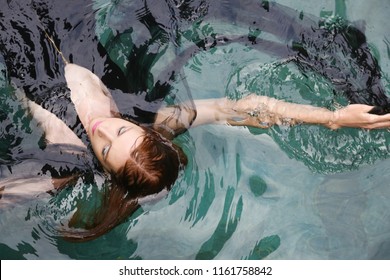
151,168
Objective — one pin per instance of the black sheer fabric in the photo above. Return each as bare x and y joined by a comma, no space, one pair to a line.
34,65
148,33
57,101
335,49
331,50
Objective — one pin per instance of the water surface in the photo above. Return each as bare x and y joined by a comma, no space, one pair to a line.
284,193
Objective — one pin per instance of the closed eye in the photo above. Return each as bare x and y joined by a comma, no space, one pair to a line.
122,130
106,148
105,151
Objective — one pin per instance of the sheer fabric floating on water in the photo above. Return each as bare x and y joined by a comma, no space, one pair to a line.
285,193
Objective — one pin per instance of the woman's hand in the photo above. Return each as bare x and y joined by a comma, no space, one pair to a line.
356,115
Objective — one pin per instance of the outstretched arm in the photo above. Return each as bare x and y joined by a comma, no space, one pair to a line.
263,112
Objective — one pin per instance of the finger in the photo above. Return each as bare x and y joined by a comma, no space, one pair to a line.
383,118
379,125
370,119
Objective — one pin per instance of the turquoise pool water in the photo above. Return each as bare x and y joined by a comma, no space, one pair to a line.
284,193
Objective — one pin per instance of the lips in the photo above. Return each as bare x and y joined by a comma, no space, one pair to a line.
94,127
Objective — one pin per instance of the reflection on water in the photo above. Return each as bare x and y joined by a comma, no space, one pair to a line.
285,193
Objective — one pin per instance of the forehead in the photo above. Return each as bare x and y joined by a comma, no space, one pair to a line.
122,147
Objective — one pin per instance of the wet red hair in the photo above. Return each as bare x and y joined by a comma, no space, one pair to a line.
152,167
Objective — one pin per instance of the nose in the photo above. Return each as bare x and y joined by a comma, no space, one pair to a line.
105,132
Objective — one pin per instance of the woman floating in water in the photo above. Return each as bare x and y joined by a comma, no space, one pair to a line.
140,159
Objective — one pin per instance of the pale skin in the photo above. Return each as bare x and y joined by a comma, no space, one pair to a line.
113,138
276,112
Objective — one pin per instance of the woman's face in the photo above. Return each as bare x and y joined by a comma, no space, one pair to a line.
112,141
